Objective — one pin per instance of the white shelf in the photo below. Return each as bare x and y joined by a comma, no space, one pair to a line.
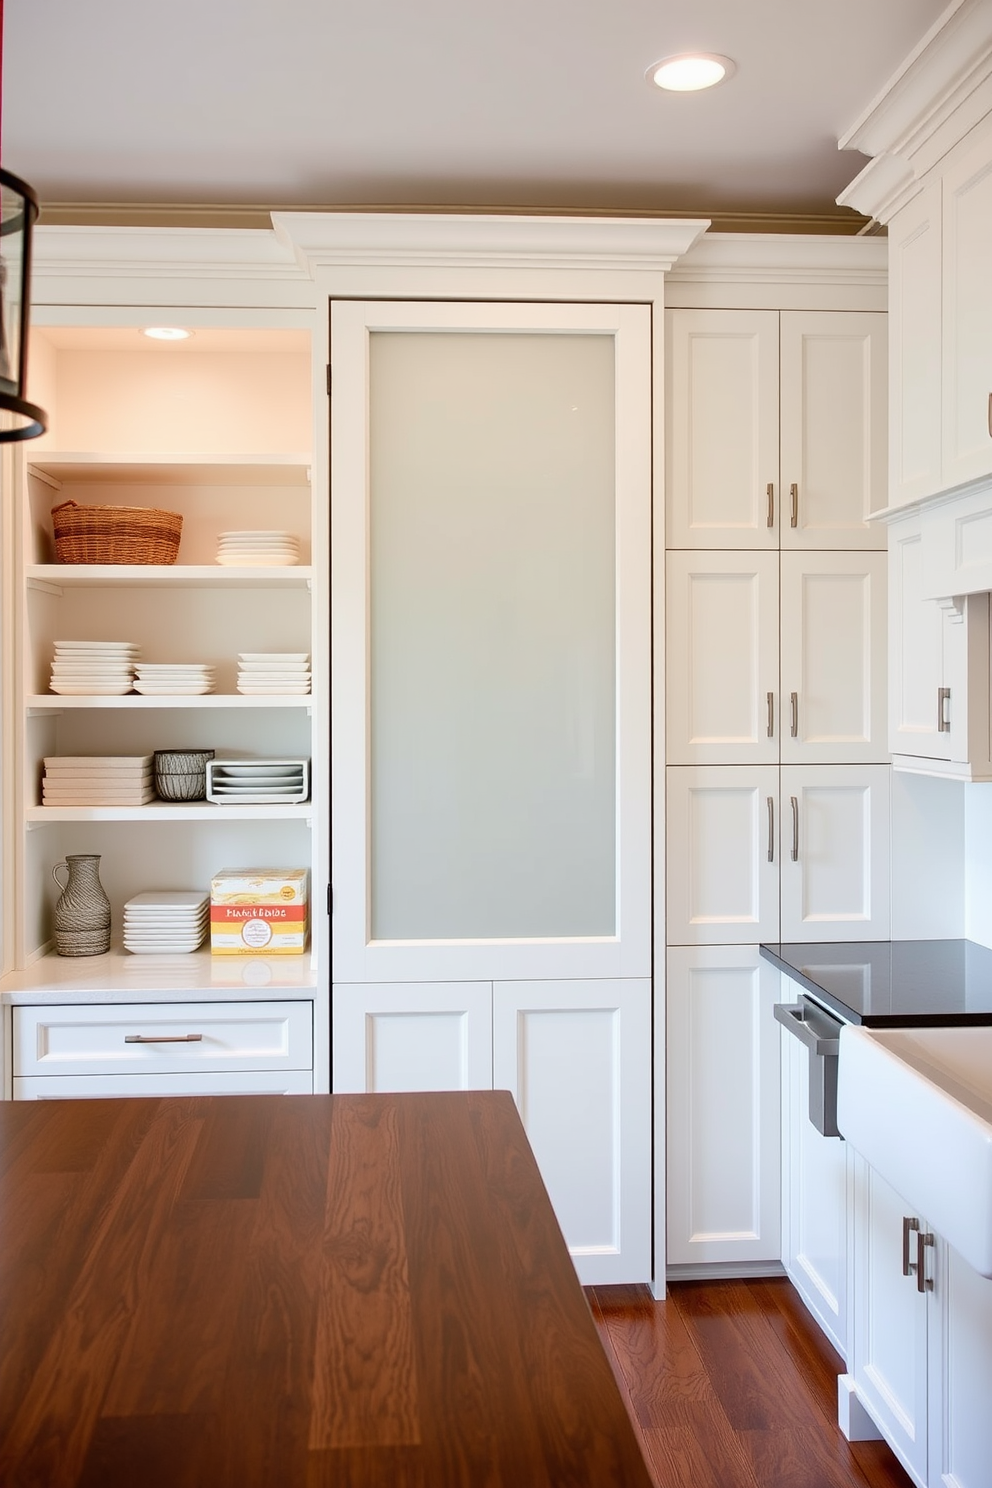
175,469
59,576
119,976
169,811
48,702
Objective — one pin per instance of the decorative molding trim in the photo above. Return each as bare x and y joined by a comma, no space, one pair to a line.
174,252
922,111
768,258
458,240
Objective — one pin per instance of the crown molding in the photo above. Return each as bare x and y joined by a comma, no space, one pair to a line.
460,240
939,92
140,252
784,258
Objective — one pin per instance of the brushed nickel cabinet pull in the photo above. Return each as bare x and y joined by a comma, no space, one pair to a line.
770,488
908,1227
162,1038
771,715
794,706
924,1241
943,710
771,828
795,829
794,493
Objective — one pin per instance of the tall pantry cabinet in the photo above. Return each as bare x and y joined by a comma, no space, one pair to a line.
776,748
218,428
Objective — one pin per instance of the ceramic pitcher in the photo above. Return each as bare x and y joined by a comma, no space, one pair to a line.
82,913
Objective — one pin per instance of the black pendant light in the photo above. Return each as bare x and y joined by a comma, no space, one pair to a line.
19,419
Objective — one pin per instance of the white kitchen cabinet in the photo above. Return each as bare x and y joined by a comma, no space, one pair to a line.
915,348
835,852
776,658
814,1201
939,658
723,1107
797,853
920,1359
573,1056
412,1036
775,428
966,245
723,854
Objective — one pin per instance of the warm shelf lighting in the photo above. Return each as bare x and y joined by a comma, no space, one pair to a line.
167,333
690,72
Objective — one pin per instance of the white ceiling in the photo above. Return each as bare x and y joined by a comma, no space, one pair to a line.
496,103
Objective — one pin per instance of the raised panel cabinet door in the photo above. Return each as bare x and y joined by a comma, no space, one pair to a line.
960,1347
835,852
967,301
833,658
918,630
722,873
723,1134
419,1036
834,428
722,426
915,348
814,1201
576,1056
889,1318
491,497
722,614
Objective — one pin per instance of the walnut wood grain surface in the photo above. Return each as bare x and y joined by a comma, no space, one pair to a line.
357,1291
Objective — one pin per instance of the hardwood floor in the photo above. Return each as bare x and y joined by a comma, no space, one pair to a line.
732,1385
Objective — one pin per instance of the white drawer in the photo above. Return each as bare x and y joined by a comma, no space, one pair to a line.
234,1082
162,1038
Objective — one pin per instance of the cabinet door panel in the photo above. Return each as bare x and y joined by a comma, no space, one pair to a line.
833,419
722,428
917,633
967,290
814,1201
890,1322
723,1106
577,1058
835,852
421,1036
723,852
722,626
833,658
915,347
960,1347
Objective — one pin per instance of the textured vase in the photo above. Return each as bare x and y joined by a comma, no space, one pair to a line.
82,913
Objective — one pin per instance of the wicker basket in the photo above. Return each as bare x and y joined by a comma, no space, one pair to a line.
115,534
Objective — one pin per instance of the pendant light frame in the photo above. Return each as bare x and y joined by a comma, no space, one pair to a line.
19,419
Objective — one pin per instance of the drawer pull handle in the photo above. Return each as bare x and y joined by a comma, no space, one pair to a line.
795,829
771,829
794,493
162,1038
770,488
909,1226
943,710
924,1283
794,706
771,715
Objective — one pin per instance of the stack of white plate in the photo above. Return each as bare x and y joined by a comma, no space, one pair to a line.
87,668
166,920
97,780
274,672
162,679
250,782
258,549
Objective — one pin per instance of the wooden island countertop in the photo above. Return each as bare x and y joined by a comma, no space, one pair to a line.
293,1291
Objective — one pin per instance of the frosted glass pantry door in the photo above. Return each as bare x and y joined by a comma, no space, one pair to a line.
490,495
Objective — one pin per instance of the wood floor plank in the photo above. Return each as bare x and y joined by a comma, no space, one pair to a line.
659,1363
699,1454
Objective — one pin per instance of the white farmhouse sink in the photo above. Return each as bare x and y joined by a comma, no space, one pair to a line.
917,1104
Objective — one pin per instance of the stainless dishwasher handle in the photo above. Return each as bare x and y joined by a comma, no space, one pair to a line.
771,828
795,829
792,1015
162,1038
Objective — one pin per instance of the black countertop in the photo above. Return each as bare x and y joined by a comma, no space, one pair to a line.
893,983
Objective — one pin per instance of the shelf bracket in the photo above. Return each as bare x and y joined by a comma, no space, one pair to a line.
953,606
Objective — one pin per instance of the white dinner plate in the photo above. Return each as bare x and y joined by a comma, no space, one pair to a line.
280,656
67,689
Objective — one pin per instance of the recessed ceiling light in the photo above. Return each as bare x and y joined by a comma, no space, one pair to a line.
166,333
690,72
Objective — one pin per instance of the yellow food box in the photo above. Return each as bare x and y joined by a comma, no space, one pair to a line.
259,912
